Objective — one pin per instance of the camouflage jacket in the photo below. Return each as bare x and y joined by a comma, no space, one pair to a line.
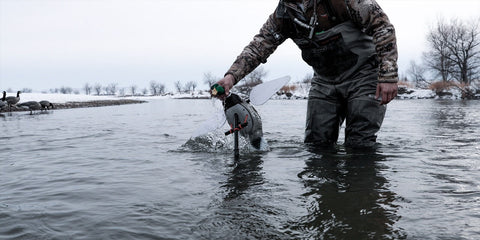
364,15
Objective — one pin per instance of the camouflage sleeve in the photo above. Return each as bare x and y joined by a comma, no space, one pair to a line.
259,49
369,15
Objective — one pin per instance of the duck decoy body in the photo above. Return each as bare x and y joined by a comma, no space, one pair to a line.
11,100
46,105
2,101
30,105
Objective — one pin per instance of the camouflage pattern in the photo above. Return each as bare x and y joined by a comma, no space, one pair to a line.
365,14
369,15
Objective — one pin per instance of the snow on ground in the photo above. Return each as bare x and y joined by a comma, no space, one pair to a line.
411,94
63,98
418,94
200,94
60,98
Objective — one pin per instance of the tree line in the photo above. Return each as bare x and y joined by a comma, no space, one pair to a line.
154,88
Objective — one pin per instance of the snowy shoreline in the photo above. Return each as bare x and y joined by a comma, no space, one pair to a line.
59,98
63,101
67,101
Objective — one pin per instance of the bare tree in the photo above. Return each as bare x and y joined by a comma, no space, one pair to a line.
87,88
459,44
464,45
255,77
133,89
111,89
308,78
156,88
188,87
121,91
438,59
161,89
98,88
417,73
153,88
66,90
178,86
210,79
194,86
251,80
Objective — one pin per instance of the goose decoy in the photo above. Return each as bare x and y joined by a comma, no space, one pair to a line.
11,100
2,101
30,105
46,105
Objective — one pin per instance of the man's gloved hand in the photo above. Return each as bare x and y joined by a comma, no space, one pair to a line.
387,92
227,83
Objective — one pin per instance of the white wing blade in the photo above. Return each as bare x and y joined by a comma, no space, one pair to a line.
262,92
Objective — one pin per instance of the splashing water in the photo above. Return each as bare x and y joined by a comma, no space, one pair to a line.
217,142
216,121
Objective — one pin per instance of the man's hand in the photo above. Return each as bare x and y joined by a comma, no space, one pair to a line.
227,83
387,92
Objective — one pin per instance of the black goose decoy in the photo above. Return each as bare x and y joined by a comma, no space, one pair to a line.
30,105
11,100
2,101
46,105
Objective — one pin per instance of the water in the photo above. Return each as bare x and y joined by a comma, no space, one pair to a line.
130,172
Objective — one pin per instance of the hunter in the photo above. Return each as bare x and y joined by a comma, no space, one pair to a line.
351,46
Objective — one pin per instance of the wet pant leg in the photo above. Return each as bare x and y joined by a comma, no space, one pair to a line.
364,112
325,115
353,100
364,119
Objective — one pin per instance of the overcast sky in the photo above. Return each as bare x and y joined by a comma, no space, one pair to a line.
52,43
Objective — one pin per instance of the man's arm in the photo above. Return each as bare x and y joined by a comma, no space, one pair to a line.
256,52
369,15
259,49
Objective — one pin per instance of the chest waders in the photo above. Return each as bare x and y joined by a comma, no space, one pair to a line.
345,75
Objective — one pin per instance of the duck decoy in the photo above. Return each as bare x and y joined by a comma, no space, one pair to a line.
2,101
30,105
46,105
11,100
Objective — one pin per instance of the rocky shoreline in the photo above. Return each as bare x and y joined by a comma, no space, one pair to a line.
86,104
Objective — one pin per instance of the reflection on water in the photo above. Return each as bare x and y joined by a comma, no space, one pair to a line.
244,174
452,116
241,211
347,198
344,196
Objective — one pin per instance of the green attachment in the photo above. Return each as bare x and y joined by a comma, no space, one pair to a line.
217,90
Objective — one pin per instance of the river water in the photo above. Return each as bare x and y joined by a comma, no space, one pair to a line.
134,172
